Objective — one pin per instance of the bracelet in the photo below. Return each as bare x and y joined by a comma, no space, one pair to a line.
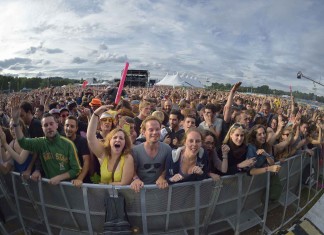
15,125
238,168
96,115
135,178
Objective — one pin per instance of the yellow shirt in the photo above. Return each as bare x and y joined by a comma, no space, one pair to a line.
106,176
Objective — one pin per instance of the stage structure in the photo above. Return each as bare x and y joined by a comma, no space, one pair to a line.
137,78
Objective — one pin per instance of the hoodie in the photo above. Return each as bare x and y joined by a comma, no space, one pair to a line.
173,166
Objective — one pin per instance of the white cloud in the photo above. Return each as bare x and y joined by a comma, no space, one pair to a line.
252,41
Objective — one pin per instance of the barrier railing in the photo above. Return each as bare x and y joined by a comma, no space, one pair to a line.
236,202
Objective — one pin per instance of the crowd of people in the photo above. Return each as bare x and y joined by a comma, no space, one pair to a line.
156,135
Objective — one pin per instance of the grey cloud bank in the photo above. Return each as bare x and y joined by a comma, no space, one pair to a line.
256,42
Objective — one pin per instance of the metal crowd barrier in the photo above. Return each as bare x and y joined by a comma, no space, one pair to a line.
234,203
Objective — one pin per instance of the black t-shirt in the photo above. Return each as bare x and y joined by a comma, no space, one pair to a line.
81,145
138,123
35,129
175,134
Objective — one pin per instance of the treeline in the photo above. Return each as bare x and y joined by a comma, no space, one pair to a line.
18,83
266,90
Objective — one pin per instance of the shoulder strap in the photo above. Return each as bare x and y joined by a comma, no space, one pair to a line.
114,168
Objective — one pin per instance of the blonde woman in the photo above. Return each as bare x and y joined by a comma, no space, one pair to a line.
235,140
21,158
116,163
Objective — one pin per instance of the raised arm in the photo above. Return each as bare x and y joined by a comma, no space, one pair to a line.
94,144
228,105
224,165
319,138
15,113
274,136
292,100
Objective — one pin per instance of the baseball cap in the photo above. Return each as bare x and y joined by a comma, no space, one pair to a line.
106,115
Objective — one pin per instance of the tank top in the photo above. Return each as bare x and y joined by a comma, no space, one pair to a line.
106,176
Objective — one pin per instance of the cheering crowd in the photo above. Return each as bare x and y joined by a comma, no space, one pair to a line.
153,135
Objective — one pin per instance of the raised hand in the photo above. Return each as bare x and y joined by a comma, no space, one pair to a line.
2,137
236,86
225,149
15,113
15,110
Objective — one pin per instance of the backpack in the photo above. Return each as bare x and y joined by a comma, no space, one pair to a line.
308,177
275,188
116,220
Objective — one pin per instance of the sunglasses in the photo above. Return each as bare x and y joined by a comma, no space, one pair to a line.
149,166
209,143
64,115
106,120
236,125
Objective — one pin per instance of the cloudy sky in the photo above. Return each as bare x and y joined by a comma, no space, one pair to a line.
257,42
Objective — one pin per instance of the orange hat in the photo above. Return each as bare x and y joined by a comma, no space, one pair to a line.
95,102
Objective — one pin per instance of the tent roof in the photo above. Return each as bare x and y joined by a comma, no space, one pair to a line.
176,81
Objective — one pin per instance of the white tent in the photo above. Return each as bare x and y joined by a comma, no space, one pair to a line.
178,81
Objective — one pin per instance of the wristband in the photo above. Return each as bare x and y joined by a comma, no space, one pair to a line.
135,178
96,115
15,125
238,168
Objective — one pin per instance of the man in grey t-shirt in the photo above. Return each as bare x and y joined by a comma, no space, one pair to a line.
150,156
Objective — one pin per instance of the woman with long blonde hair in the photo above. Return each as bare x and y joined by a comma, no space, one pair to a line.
116,162
235,141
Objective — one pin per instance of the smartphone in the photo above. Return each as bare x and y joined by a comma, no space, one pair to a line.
126,128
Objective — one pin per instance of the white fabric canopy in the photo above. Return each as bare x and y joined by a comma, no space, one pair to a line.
178,81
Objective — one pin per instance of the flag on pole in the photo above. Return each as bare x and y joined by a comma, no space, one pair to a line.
84,84
121,84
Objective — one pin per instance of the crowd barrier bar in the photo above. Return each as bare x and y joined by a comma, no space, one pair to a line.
236,202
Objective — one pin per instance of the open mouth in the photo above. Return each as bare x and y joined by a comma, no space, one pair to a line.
117,146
